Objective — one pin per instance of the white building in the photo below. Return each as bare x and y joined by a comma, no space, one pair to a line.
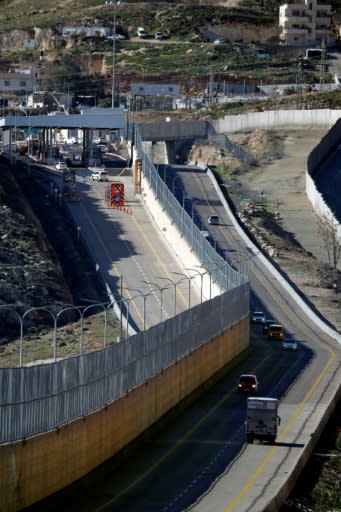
18,82
96,31
305,23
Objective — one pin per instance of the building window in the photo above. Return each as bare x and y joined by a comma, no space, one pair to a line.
22,84
7,83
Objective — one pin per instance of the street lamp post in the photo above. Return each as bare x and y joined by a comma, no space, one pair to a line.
110,2
105,306
210,276
9,306
22,329
128,301
80,312
184,197
175,285
143,296
161,290
189,286
201,274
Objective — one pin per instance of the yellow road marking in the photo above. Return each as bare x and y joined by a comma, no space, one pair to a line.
270,454
173,449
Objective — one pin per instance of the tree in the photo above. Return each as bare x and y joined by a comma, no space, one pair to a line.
330,231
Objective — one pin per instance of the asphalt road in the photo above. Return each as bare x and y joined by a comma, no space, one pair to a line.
204,449
129,252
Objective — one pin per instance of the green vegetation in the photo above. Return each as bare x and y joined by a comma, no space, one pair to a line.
186,57
39,346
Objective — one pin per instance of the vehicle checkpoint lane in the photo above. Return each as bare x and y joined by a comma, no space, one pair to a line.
127,244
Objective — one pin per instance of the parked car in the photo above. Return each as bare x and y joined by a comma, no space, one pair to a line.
71,140
267,324
289,345
160,35
275,332
219,40
118,37
261,54
142,33
100,175
213,219
61,166
248,382
258,317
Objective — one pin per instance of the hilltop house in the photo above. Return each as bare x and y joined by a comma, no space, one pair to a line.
305,24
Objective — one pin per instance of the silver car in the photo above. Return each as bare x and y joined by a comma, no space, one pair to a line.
258,317
289,345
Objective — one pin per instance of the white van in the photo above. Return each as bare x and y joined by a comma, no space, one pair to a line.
100,175
142,34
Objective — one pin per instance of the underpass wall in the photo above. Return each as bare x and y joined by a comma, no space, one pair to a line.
36,467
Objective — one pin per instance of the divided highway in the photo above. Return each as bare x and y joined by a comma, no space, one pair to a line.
200,462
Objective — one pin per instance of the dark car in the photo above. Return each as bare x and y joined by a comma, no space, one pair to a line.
267,324
248,383
275,332
213,219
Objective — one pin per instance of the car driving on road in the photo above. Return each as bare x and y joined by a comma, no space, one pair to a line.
213,219
267,324
100,175
289,345
258,317
248,383
275,332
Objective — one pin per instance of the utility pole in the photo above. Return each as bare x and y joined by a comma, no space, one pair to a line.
115,4
323,63
211,87
299,80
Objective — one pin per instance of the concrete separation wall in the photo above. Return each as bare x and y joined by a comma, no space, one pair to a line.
165,131
276,119
39,466
258,254
316,159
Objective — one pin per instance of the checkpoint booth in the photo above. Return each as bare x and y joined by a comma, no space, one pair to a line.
41,132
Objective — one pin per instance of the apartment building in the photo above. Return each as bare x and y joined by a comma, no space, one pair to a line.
18,81
305,24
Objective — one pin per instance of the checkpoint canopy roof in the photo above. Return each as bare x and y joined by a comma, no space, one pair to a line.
95,118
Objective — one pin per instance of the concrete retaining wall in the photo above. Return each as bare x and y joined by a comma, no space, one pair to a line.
37,467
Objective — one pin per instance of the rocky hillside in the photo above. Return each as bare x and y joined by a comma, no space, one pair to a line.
237,21
41,262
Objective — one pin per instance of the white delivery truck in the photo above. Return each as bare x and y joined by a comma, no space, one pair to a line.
262,419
